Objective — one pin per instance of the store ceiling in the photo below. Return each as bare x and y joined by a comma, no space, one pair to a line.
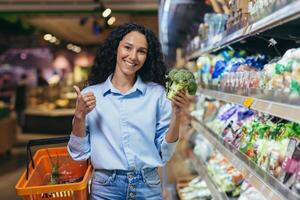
68,27
75,5
62,17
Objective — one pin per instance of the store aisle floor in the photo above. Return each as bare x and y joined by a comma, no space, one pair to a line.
7,185
12,166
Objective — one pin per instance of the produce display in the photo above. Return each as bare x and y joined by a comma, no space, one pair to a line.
230,69
248,192
235,71
259,9
285,73
193,189
233,16
225,175
272,143
238,15
227,178
216,23
51,98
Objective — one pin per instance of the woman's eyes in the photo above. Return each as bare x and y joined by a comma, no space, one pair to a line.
140,51
143,52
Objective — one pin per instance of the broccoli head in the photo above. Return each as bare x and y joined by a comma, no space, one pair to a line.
181,79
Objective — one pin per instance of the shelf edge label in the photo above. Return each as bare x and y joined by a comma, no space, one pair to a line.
248,101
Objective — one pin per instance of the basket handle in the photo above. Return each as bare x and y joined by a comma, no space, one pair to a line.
36,142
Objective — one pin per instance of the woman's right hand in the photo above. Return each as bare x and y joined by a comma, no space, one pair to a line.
85,103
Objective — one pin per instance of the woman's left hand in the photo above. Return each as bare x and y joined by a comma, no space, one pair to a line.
180,101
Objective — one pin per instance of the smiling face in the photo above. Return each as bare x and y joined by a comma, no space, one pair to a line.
132,54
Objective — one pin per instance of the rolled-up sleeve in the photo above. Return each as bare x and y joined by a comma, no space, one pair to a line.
79,147
166,149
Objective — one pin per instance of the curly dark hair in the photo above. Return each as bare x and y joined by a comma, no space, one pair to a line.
154,68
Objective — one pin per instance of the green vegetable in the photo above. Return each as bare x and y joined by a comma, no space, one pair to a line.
279,68
180,80
294,87
54,176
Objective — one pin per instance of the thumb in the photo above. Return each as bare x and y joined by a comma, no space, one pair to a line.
76,88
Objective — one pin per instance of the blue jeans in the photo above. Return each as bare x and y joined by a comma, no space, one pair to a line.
126,185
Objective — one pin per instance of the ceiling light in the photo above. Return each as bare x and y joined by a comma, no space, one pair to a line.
53,39
69,46
77,49
111,21
106,12
47,37
74,48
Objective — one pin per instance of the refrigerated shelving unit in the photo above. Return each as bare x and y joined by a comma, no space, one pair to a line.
265,183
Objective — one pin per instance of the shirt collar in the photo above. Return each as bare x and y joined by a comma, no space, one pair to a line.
108,87
139,85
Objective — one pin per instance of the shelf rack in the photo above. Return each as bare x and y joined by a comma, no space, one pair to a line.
203,172
269,186
281,16
285,111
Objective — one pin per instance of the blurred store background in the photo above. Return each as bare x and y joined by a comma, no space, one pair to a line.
240,138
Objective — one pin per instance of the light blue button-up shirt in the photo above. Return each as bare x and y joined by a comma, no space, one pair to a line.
126,131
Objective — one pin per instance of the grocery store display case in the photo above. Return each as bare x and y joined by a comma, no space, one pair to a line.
50,109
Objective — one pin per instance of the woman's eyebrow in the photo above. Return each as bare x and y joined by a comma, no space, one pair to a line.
128,43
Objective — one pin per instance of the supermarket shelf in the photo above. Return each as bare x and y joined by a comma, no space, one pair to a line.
285,111
269,186
213,188
279,17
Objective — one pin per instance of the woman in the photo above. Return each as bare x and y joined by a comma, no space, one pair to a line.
123,120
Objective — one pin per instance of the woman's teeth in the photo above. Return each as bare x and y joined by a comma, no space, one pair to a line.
130,64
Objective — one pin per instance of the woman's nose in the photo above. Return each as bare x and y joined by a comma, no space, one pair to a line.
133,55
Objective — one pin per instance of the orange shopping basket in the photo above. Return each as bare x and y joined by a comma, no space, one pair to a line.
34,182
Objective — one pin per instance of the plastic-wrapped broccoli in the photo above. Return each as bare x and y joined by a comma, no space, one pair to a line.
180,79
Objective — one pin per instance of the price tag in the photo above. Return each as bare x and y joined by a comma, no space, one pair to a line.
248,101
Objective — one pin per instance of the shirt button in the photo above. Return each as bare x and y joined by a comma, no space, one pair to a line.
131,194
130,176
131,187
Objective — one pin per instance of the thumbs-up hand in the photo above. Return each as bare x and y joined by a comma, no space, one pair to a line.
85,103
